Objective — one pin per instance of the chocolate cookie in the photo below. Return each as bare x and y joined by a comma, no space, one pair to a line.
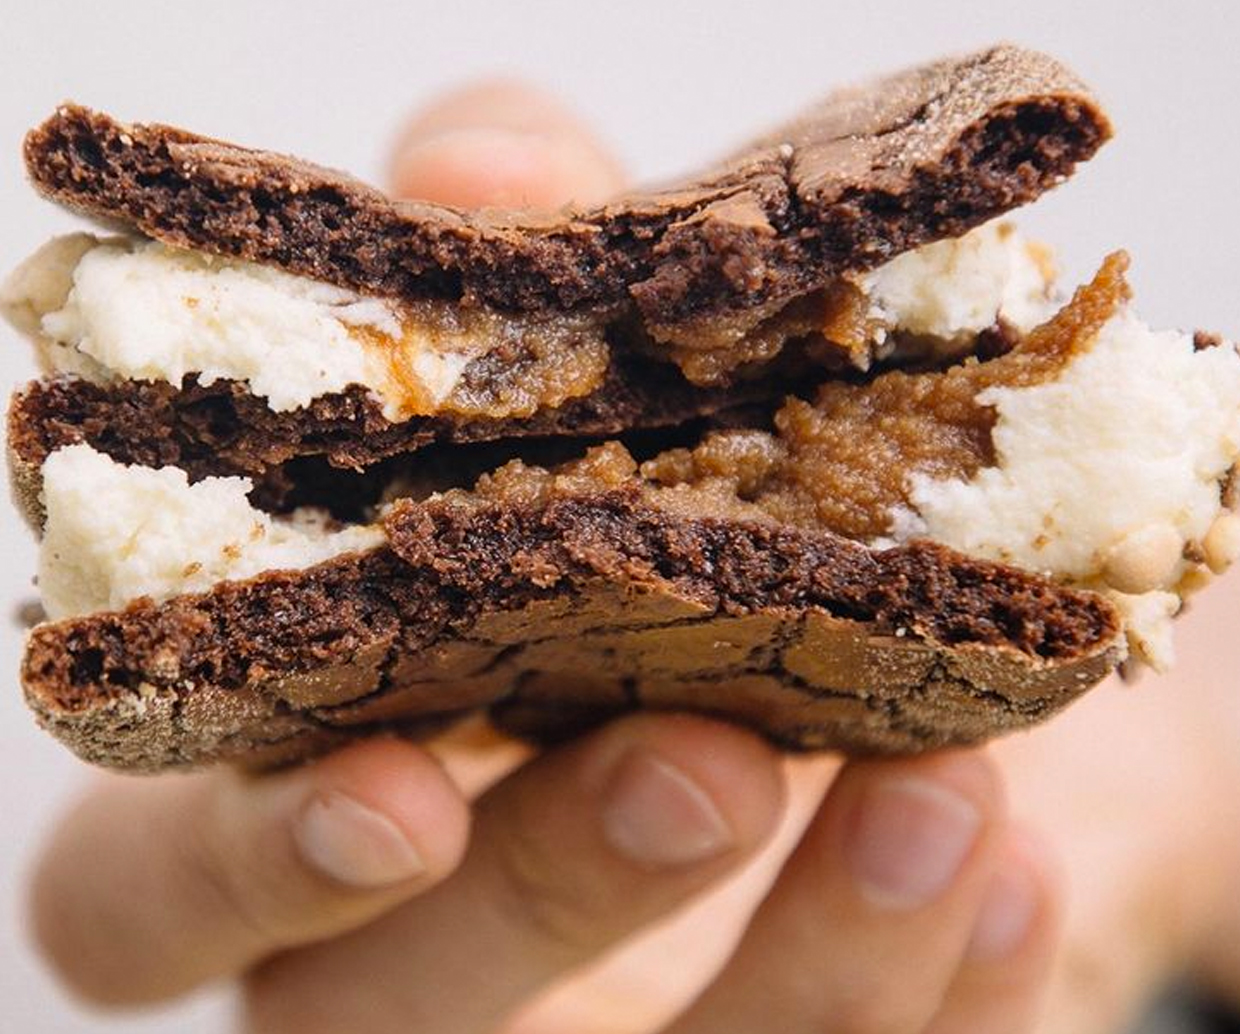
558,603
807,441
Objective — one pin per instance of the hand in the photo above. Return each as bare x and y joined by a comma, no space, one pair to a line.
345,897
153,887
1135,789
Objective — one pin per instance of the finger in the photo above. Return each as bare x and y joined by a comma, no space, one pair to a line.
1000,985
869,919
476,755
150,888
628,987
569,856
1217,965
503,144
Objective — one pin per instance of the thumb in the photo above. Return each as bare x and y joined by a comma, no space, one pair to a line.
152,887
505,144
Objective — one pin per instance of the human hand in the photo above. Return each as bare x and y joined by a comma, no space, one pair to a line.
154,887
1134,788
345,897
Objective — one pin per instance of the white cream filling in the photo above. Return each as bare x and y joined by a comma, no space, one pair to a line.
126,307
115,533
137,309
952,289
1107,475
1147,621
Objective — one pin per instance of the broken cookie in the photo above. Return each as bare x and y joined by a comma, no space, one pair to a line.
813,441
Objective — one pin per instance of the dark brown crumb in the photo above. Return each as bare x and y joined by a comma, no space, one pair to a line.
917,157
222,429
517,590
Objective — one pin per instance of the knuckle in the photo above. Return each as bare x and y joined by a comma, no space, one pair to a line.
229,883
545,899
875,1010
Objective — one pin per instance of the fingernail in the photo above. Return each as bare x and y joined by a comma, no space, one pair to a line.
656,815
1006,915
473,136
907,840
354,844
498,145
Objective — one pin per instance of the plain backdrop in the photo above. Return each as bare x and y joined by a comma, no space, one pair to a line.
669,85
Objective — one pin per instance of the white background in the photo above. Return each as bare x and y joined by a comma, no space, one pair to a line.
669,85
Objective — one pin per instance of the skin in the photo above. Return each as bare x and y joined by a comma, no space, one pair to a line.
669,873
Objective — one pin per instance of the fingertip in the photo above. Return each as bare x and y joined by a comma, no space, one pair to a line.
911,833
493,102
405,786
1022,906
876,903
251,864
502,144
739,771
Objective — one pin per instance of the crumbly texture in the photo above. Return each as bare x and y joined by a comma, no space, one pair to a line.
1109,474
868,173
502,598
115,533
556,599
132,309
827,641
1137,432
796,611
1032,458
224,430
1007,459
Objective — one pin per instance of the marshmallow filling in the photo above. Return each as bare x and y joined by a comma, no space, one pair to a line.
1084,446
132,309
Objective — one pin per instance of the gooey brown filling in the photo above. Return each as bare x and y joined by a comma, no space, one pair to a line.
835,321
843,462
514,366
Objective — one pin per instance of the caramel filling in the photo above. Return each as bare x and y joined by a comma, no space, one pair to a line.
845,461
475,362
1089,448
836,324
128,308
